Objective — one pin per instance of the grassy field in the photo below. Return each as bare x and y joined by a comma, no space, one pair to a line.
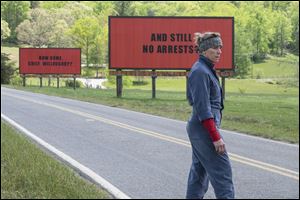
29,173
13,51
277,67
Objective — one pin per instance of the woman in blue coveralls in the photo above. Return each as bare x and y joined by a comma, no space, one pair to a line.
210,161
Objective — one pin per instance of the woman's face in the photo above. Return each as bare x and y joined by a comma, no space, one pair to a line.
213,54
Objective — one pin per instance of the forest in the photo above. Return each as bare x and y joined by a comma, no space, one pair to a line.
261,28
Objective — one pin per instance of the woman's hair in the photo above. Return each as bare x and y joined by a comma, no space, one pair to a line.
207,40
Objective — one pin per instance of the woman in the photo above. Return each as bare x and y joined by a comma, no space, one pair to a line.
210,161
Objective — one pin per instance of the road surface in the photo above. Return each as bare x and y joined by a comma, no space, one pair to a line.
146,156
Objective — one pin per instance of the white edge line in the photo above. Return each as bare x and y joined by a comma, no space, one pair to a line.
95,177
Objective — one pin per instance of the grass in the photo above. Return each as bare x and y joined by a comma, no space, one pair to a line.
29,173
277,67
13,51
271,116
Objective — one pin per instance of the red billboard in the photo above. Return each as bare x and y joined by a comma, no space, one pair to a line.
50,61
165,42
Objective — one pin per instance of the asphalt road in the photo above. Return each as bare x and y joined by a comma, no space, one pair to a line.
147,156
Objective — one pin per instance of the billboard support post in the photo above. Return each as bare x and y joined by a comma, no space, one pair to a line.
24,80
49,80
119,83
41,80
57,81
154,76
74,79
186,85
223,86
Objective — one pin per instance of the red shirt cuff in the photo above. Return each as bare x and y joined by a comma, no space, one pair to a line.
210,126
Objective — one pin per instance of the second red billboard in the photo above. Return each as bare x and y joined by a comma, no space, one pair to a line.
50,61
165,42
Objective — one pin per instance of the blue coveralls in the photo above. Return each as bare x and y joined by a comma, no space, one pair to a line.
205,95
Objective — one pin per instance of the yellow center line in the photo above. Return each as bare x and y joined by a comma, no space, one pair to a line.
234,157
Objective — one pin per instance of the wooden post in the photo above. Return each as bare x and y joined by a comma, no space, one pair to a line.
41,81
57,82
49,80
74,77
154,76
187,82
223,87
24,80
119,83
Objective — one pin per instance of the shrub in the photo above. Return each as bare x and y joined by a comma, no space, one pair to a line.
140,82
17,80
258,57
70,83
7,69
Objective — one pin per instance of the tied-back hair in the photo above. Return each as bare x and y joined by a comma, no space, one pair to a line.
201,38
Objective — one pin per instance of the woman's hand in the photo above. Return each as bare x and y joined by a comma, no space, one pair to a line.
219,146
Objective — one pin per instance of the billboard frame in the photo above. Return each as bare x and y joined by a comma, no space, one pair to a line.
167,17
47,74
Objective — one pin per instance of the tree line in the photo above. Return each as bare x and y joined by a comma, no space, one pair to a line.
261,28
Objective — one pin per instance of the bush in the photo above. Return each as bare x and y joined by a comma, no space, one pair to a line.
243,64
70,83
88,72
140,82
126,80
7,69
17,80
259,57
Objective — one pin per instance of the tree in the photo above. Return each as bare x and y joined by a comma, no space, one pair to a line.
261,29
283,32
53,4
243,45
293,12
5,31
14,12
83,35
36,31
104,9
58,36
7,69
34,4
99,53
123,8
